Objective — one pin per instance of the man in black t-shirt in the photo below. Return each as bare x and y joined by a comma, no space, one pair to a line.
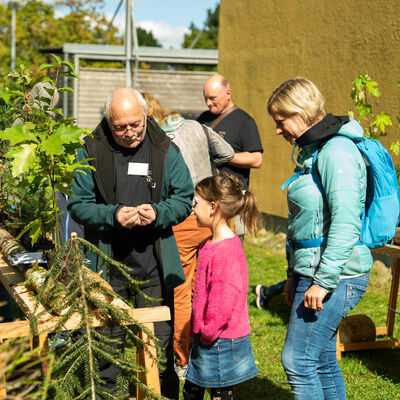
237,127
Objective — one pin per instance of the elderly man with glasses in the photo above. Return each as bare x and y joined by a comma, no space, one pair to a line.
140,188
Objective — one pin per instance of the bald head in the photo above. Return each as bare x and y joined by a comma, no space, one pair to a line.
216,81
125,111
217,94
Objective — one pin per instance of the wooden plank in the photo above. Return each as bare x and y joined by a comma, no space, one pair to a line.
3,391
146,358
381,331
388,250
338,348
394,292
382,344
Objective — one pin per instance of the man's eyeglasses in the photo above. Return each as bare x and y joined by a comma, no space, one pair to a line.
136,127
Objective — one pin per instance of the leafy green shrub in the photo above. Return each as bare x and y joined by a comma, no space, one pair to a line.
364,90
37,152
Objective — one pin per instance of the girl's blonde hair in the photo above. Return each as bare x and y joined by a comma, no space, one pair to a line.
225,190
156,110
297,96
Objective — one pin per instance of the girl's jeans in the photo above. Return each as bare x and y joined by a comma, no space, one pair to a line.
309,353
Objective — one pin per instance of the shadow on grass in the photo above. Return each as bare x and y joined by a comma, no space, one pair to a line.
261,388
382,362
277,307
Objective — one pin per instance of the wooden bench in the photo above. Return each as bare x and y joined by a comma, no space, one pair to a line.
13,282
393,251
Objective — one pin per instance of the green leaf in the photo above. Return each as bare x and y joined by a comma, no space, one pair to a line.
80,167
58,59
13,74
364,110
35,229
24,156
395,147
45,66
48,79
68,65
372,88
18,134
55,143
66,89
58,111
6,95
69,73
382,120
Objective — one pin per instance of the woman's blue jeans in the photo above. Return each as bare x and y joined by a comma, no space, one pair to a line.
309,353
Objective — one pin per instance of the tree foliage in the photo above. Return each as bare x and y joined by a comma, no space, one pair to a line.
206,37
75,373
38,152
364,89
146,38
37,26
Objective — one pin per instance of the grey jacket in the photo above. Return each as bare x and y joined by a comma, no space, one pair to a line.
199,151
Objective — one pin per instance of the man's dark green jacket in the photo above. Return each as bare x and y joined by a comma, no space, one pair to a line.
93,202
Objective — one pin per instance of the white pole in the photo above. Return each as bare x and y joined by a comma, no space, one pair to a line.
128,43
135,45
13,6
75,105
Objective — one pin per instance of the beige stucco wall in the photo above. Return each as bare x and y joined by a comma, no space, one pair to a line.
264,42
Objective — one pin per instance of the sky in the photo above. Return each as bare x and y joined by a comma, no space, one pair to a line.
169,20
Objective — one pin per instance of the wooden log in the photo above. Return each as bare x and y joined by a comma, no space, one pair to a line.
9,245
357,328
12,280
54,293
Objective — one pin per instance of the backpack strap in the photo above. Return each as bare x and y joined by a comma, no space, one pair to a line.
295,176
306,244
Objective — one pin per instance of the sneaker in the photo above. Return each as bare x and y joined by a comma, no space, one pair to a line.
260,301
181,371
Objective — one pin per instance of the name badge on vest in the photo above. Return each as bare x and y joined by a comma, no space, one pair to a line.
138,168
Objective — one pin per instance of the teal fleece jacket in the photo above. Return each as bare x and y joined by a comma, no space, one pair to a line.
335,215
93,202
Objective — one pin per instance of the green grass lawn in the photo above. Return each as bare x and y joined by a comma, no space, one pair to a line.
369,375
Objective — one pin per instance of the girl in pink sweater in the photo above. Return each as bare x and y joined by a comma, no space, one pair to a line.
221,355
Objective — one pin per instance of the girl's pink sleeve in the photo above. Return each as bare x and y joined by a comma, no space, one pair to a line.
223,291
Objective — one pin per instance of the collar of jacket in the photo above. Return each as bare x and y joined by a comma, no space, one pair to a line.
100,147
173,123
323,130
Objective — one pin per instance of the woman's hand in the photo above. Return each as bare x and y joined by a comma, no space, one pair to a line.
313,298
288,292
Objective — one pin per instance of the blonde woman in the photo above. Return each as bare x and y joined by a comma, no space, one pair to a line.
328,268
